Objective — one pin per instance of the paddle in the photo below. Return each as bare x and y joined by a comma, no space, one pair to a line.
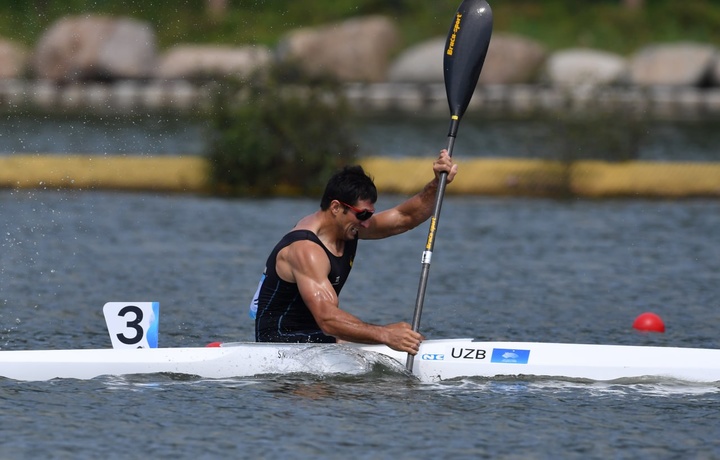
465,49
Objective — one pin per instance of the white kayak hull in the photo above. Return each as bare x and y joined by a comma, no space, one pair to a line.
437,360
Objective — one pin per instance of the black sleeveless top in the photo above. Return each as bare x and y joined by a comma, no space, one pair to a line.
282,316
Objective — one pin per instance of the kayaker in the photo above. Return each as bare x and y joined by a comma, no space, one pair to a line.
297,297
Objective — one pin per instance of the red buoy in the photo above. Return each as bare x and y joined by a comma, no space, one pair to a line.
649,322
214,344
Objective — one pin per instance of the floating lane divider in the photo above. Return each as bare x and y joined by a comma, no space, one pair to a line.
485,176
532,177
108,172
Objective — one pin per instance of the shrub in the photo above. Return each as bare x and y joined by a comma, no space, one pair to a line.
279,132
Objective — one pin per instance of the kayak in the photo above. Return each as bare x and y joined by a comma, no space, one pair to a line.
437,360
133,330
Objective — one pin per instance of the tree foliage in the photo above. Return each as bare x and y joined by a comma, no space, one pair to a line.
278,132
602,24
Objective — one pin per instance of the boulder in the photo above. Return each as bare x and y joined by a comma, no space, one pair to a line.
512,59
715,71
358,49
13,60
95,47
582,66
200,62
422,63
677,64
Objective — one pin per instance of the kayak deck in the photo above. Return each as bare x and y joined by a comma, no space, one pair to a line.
437,360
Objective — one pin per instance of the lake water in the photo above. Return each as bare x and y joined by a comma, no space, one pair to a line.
575,271
402,135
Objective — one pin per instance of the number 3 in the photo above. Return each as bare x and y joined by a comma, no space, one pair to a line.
134,324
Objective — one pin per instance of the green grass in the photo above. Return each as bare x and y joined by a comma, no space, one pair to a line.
601,24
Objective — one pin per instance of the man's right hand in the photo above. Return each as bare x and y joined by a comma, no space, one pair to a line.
401,337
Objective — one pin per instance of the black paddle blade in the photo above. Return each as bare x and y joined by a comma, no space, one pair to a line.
465,51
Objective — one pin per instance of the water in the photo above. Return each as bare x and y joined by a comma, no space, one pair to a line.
116,135
395,137
575,271
546,138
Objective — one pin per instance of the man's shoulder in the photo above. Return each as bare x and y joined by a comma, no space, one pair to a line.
304,256
304,246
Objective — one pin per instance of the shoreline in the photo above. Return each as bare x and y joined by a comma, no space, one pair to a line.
486,176
128,97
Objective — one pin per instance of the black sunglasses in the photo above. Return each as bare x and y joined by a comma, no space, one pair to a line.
361,214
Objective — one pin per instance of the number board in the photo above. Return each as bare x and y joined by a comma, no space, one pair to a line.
132,324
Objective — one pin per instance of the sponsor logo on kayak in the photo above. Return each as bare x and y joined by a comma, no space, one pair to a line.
432,357
510,356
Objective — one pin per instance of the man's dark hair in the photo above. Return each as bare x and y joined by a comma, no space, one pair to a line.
349,185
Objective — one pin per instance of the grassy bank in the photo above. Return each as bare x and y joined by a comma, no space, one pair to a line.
602,24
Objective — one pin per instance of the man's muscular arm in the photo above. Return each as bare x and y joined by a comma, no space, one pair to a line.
415,210
309,267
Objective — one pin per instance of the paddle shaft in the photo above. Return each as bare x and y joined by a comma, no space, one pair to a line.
465,49
430,245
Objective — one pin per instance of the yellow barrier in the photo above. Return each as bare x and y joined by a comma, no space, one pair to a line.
403,175
661,179
595,179
177,174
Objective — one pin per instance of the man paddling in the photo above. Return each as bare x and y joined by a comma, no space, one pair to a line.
297,298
